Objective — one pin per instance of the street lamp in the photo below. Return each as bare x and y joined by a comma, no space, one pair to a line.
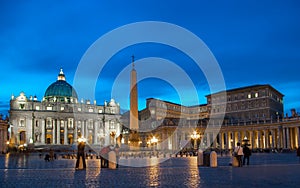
195,136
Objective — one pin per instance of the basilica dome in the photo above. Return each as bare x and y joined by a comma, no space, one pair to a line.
60,91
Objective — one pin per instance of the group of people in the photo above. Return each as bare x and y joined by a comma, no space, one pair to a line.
242,153
103,155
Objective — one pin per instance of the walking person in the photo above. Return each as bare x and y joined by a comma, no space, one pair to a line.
239,151
298,153
80,154
247,154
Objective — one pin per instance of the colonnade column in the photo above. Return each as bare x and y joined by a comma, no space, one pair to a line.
233,139
258,139
298,136
279,138
273,138
288,145
251,134
284,138
208,144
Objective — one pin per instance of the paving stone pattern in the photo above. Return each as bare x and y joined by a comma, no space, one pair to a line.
265,170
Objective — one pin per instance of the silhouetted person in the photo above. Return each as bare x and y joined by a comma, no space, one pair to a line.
298,153
80,154
247,154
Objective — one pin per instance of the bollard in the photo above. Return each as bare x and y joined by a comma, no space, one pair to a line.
213,159
200,157
112,160
234,161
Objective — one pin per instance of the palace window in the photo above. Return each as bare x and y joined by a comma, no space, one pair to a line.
49,107
111,124
249,96
37,108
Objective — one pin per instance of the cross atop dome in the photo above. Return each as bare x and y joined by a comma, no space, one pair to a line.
61,75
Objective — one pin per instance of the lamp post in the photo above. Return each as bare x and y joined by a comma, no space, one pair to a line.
195,136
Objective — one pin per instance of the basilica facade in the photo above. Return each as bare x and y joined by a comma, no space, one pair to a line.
60,118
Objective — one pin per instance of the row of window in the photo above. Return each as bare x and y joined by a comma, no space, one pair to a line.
70,124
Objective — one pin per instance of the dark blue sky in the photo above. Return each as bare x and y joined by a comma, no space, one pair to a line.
254,42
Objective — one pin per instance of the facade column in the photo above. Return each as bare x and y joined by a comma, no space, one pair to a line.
53,131
43,131
215,137
279,138
233,140
265,139
288,141
75,131
208,143
65,133
284,138
251,135
273,138
96,124
298,136
82,128
58,131
258,139
239,136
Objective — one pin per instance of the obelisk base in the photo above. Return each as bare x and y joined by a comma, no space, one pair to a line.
134,141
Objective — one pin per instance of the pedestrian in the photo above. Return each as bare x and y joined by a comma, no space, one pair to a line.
117,148
80,154
298,153
239,153
247,154
51,153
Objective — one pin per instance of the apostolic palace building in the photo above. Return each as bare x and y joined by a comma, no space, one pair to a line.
253,113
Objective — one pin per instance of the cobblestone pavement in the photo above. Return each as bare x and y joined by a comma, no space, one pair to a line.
265,170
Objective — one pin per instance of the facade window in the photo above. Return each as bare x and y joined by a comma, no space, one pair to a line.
249,96
70,123
90,126
100,111
49,107
79,124
256,94
79,109
37,108
22,123
62,108
62,124
91,110
49,124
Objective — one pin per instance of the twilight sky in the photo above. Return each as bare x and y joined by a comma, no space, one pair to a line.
254,42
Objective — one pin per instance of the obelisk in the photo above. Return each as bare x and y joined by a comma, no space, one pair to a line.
133,120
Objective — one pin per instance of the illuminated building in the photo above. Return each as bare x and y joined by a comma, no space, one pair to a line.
59,118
